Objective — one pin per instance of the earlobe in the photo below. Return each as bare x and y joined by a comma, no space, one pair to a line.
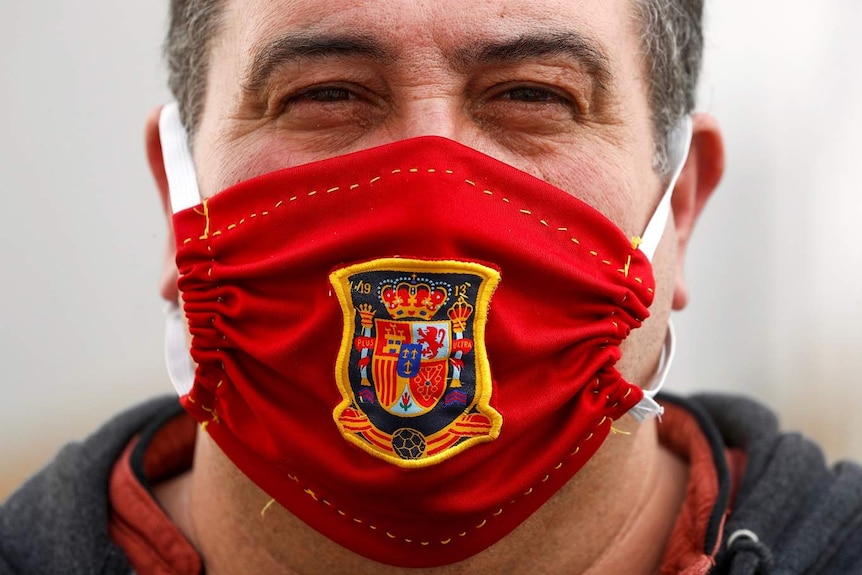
168,281
699,178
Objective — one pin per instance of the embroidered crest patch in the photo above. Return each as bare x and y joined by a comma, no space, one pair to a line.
412,369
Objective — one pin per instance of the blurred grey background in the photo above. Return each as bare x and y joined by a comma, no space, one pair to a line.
774,269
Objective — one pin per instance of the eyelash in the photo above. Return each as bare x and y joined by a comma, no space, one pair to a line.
545,95
314,93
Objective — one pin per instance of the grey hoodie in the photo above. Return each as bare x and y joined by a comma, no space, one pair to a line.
792,514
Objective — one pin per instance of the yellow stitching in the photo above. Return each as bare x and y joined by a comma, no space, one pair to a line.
212,413
471,183
278,205
625,270
544,223
498,513
354,186
606,262
527,212
396,171
232,226
388,534
188,241
506,200
592,253
529,491
266,508
425,543
414,170
264,213
206,215
340,512
575,240
545,480
293,199
450,172
639,280
489,192
446,542
312,494
431,170
253,215
335,189
562,229
359,521
293,478
312,193
482,524
374,180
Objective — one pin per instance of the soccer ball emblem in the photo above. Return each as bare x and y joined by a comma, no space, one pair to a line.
408,443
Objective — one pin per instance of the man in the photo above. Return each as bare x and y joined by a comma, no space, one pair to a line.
409,351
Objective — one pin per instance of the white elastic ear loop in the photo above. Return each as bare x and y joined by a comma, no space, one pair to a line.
179,167
648,406
181,368
679,144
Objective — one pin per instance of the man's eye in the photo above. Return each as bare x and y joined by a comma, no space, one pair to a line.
527,94
326,95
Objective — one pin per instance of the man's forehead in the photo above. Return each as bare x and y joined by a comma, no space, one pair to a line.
449,25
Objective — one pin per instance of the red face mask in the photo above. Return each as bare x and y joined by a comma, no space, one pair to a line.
412,347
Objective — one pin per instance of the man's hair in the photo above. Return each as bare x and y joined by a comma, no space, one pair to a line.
672,41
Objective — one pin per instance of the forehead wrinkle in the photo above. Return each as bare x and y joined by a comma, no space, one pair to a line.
295,47
572,45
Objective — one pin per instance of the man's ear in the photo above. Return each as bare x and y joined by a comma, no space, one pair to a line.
168,282
699,177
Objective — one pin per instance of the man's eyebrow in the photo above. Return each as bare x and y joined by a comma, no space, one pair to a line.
572,45
268,58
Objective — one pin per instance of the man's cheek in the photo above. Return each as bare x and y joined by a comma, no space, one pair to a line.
597,181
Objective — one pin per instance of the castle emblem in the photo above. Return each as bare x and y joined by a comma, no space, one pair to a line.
412,369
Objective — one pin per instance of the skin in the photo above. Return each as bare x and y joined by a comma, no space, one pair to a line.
422,68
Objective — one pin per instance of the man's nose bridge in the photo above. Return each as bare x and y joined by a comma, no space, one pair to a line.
432,116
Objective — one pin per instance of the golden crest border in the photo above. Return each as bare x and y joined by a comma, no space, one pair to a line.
339,279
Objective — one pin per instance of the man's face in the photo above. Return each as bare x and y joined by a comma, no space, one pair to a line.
553,87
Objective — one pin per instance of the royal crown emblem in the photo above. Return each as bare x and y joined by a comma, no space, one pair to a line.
412,369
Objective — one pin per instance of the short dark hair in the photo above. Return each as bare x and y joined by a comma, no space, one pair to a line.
193,24
672,43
